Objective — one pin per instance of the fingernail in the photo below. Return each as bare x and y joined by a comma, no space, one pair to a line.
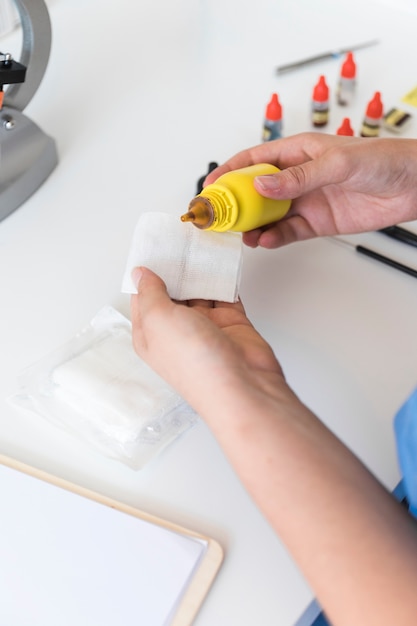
268,183
136,276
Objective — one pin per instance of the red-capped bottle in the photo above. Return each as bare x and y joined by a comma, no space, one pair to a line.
347,81
320,103
373,117
273,120
345,128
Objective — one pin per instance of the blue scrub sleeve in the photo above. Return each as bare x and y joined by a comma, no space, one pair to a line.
405,427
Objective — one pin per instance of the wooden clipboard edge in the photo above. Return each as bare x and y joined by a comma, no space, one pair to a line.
203,578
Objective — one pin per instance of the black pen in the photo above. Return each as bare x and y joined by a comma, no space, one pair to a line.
378,257
400,234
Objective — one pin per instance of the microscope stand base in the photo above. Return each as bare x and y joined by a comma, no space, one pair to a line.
27,157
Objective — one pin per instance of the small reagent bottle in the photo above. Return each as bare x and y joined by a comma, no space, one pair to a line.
347,81
232,202
273,120
373,117
320,103
345,128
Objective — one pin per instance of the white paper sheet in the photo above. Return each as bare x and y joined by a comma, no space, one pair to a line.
66,560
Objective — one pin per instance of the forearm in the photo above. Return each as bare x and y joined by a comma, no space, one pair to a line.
356,546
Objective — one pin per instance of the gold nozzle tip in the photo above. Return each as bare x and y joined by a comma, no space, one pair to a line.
188,217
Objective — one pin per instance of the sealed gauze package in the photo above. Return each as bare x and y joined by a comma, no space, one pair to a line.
98,388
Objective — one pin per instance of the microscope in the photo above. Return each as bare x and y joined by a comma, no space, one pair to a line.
27,154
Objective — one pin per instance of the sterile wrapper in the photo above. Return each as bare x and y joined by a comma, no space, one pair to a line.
96,387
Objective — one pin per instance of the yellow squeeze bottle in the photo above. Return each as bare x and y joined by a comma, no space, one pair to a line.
232,202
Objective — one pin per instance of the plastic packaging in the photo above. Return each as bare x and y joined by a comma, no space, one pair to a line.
97,388
232,202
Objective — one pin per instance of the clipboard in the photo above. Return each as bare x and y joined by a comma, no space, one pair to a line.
70,555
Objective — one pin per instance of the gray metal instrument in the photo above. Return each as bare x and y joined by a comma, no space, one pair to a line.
27,154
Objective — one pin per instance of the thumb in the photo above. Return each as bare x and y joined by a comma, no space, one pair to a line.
294,181
151,301
147,282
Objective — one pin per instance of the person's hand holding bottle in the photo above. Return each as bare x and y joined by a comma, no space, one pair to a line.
339,185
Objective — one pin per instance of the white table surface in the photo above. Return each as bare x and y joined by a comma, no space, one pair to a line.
140,96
